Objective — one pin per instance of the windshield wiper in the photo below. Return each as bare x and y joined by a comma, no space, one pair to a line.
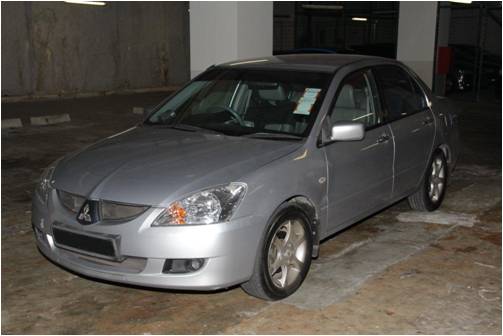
191,128
273,136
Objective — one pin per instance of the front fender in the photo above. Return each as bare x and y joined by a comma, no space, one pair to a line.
302,173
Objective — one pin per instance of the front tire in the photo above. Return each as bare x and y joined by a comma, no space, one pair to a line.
285,255
431,193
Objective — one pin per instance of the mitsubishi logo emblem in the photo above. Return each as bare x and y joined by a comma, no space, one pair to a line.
88,213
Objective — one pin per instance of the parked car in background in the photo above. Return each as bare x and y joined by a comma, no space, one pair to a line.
238,176
463,70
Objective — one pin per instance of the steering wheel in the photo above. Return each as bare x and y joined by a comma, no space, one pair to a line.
229,110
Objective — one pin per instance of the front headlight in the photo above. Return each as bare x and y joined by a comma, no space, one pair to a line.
214,205
44,184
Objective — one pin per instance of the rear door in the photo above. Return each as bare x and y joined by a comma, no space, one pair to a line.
412,124
359,172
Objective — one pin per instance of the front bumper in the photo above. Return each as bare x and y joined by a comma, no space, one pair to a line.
229,249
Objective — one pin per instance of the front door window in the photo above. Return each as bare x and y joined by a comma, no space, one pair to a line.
357,101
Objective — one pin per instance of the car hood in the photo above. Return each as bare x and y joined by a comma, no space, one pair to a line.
154,166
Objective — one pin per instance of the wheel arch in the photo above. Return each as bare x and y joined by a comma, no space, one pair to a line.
447,152
309,208
450,157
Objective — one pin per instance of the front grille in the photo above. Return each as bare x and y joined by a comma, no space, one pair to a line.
130,265
104,247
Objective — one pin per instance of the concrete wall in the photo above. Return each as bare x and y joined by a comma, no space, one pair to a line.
225,31
417,23
61,48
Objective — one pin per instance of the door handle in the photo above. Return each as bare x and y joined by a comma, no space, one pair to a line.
383,138
427,121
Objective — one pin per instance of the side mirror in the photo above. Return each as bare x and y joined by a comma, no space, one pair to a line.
347,131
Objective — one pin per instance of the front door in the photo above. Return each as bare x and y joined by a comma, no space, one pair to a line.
360,173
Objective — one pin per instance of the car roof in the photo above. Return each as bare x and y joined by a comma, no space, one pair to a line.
313,62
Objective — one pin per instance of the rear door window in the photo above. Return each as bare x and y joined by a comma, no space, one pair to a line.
402,95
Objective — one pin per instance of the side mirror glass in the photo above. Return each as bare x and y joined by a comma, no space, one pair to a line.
347,131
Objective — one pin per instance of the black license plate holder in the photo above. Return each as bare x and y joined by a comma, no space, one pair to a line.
95,244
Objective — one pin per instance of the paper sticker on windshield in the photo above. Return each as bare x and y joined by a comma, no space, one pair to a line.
306,102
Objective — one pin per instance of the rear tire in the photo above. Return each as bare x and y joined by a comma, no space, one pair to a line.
284,257
431,192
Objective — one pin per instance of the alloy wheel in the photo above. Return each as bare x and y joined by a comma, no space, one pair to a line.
287,253
436,180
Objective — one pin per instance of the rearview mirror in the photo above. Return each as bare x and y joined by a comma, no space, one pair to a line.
347,131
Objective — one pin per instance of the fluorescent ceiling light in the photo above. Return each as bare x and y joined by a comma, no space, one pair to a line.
358,19
83,2
462,1
329,7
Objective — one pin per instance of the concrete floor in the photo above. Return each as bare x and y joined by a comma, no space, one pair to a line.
396,272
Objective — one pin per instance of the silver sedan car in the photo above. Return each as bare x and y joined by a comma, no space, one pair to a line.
238,176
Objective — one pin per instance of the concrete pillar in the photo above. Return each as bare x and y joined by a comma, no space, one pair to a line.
444,23
225,31
417,24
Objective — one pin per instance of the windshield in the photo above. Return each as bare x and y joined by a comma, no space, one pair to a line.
245,102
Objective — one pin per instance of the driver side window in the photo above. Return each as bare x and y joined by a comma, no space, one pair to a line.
357,100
